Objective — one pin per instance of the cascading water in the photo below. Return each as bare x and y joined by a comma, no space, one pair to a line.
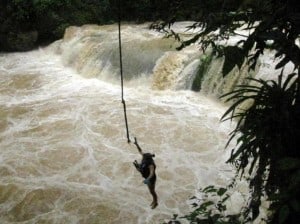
64,156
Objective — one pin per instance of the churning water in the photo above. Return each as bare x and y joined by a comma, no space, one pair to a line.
64,156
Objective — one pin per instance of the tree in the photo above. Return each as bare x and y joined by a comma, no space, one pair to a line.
267,138
26,24
267,131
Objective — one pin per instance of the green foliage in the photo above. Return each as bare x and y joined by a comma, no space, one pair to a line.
272,21
211,208
266,153
267,131
267,140
47,18
55,16
234,56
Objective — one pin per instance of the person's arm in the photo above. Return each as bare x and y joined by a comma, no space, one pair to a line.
138,147
151,168
147,180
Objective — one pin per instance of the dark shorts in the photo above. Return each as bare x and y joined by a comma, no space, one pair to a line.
152,180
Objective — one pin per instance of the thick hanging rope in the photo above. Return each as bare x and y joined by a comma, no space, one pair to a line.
121,72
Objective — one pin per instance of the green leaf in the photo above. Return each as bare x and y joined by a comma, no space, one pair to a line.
233,56
248,44
206,204
253,163
209,188
282,63
194,205
234,106
188,42
221,191
289,78
225,198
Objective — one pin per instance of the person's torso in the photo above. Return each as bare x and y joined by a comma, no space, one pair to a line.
145,171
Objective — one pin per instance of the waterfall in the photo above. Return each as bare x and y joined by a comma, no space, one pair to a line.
152,59
93,52
64,156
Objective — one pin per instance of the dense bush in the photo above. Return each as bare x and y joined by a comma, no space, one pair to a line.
267,133
46,19
24,24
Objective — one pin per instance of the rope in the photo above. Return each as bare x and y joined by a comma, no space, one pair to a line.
121,72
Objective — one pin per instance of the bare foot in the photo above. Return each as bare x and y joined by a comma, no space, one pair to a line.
154,205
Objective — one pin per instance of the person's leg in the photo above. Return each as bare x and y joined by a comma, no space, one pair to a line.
154,195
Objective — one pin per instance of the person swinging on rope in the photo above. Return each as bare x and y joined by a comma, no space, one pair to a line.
147,169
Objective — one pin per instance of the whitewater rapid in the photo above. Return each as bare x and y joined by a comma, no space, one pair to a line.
64,156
